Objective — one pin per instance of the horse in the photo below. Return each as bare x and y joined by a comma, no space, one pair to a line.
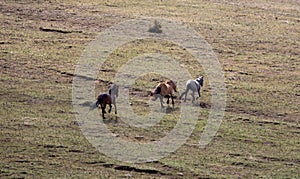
194,85
164,89
114,92
108,99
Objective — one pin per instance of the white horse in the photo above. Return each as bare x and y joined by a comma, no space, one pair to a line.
114,92
194,85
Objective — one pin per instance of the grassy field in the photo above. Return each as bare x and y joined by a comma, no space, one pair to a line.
257,44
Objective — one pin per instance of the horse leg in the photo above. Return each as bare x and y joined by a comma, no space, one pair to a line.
172,101
155,97
115,107
103,106
193,95
109,108
185,93
198,94
161,101
103,110
168,100
181,95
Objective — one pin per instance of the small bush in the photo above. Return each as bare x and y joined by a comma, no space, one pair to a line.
156,28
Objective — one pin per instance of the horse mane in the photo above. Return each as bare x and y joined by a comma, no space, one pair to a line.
200,80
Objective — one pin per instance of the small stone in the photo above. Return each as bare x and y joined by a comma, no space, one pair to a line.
180,173
139,137
128,175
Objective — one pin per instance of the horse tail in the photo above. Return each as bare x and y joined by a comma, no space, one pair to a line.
99,100
185,91
187,88
157,90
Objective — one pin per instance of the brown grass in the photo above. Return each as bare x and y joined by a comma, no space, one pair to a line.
256,42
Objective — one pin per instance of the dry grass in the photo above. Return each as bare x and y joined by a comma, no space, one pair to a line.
257,44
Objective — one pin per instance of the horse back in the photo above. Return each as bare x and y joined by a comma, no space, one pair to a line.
166,89
104,99
192,85
171,84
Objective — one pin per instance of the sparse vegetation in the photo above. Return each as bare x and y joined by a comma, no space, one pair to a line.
257,44
156,28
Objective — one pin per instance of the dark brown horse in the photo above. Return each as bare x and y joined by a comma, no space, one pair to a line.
105,99
164,89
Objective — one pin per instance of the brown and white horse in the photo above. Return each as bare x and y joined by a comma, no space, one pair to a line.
164,89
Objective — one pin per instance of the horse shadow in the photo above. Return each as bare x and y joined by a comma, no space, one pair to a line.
110,120
199,104
169,109
204,105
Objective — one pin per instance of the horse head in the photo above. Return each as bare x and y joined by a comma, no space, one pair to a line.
200,80
114,90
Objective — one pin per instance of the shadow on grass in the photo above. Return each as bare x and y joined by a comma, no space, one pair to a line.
111,119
